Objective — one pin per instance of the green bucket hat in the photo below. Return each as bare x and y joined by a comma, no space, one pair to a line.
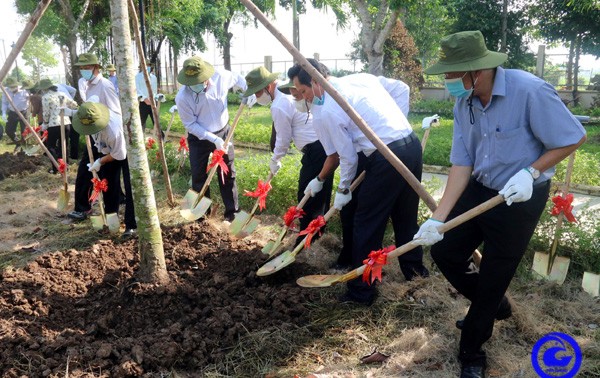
27,84
285,88
110,67
45,84
195,71
258,79
465,51
91,117
87,59
11,82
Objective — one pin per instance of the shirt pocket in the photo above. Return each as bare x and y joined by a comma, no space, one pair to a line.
510,145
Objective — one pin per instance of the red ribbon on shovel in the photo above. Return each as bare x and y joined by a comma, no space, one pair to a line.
313,227
26,132
183,145
217,159
563,205
99,186
262,189
44,135
292,214
62,166
377,259
150,143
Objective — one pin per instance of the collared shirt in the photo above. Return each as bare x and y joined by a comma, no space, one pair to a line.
338,133
104,89
111,140
140,86
399,90
204,113
51,105
20,98
524,118
67,89
114,80
290,125
82,85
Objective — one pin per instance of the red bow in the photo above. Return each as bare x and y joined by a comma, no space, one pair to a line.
45,135
292,214
99,186
563,205
217,159
150,143
313,227
62,166
38,129
183,145
262,189
26,132
376,261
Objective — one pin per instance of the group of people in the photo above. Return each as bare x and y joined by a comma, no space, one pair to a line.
510,130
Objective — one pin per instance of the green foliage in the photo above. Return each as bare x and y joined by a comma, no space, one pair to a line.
37,54
587,167
429,107
254,126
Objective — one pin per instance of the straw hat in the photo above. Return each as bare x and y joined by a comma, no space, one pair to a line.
258,79
91,117
195,71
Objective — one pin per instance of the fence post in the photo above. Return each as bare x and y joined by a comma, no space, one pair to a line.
541,57
317,56
269,63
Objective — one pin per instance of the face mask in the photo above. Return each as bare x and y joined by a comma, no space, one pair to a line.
148,69
457,88
264,99
87,74
301,106
198,87
317,100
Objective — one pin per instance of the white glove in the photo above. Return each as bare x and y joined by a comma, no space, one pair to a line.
518,188
428,233
173,109
44,126
428,121
95,167
274,166
219,143
314,187
341,200
68,112
4,118
160,98
249,101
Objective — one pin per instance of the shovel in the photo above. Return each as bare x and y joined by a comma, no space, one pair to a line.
104,221
427,123
244,224
170,124
328,280
549,266
63,194
194,204
272,246
287,257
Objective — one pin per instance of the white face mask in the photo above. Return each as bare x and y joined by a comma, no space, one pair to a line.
265,98
301,106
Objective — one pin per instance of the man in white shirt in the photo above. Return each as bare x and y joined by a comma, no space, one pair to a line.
202,106
142,93
292,122
384,193
20,98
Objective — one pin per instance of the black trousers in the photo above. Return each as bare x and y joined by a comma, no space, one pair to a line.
199,152
505,232
111,172
73,143
384,194
53,144
145,112
312,163
11,125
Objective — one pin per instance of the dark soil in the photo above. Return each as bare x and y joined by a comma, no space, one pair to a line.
13,164
83,313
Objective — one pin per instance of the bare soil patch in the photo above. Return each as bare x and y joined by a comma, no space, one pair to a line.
13,164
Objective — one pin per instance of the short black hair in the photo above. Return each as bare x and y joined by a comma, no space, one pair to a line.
303,77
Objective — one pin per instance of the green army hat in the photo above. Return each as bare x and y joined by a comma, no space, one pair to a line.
27,84
465,51
91,117
87,59
195,71
285,88
45,84
258,79
11,82
110,67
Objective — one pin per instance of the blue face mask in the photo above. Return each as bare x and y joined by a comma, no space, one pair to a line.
457,88
149,69
317,100
198,87
87,74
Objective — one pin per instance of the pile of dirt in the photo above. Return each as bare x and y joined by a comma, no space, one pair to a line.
12,164
82,312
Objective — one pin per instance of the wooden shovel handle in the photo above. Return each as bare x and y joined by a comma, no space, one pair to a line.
63,141
257,202
88,143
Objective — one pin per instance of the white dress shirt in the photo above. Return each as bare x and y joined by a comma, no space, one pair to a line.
205,113
111,140
20,98
104,89
338,133
67,89
290,125
141,88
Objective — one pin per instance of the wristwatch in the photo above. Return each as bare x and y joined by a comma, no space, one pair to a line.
534,172
343,191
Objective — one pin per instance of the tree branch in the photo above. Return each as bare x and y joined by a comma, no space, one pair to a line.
366,36
82,14
378,45
68,11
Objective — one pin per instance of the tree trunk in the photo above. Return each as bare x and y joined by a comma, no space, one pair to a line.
576,71
569,83
504,25
175,70
150,244
75,75
227,46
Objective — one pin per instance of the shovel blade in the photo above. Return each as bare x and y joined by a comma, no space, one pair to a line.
30,151
278,263
272,247
559,268
248,227
318,280
112,222
191,213
591,283
189,199
63,200
238,222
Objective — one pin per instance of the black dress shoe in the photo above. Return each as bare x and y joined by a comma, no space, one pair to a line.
472,372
